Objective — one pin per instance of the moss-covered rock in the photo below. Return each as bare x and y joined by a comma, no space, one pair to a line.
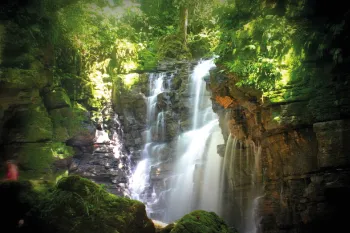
78,205
168,228
31,124
69,122
24,79
36,160
77,87
199,221
57,98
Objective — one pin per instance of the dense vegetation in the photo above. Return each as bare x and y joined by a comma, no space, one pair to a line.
269,44
69,53
60,58
263,43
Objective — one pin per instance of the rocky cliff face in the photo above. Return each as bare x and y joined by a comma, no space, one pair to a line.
46,102
301,124
303,131
303,173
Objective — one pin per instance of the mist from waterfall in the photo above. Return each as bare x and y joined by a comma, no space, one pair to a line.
196,180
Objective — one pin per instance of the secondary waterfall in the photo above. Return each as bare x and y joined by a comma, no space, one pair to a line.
242,183
196,180
139,181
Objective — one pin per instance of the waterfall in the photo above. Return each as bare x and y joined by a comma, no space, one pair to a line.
253,220
139,180
241,184
174,178
210,198
231,154
196,180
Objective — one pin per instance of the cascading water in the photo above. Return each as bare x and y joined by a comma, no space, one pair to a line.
196,180
242,182
192,179
139,181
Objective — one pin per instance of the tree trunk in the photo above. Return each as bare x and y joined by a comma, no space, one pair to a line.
183,23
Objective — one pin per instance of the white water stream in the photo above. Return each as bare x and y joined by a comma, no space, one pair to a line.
139,181
196,180
196,167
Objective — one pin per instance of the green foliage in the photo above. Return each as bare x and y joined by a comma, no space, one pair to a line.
148,60
204,43
267,44
160,17
263,51
125,56
172,46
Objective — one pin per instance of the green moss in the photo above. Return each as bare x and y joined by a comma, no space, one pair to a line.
93,208
168,228
24,79
69,122
292,94
57,98
77,87
60,134
36,160
200,221
30,125
172,46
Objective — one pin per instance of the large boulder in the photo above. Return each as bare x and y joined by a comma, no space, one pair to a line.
29,124
72,123
78,205
199,221
37,160
57,98
26,79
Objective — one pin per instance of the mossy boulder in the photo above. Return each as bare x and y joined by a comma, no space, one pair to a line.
199,221
57,98
25,78
78,205
36,160
69,122
31,124
168,228
78,88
